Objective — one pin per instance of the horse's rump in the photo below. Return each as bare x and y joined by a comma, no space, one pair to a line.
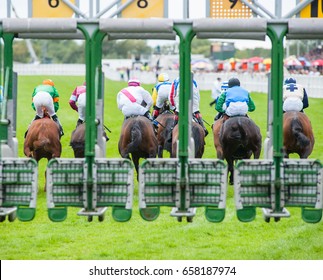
166,123
198,135
78,141
43,140
240,137
138,139
298,134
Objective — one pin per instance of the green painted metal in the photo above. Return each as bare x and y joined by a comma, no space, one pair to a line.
186,35
18,187
276,33
206,187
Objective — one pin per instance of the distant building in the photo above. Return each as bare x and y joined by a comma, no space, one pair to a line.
222,50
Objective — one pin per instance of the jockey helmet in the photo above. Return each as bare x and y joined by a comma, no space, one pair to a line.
163,77
224,86
134,83
290,80
48,82
233,82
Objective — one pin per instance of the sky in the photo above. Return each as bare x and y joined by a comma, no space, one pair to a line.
196,10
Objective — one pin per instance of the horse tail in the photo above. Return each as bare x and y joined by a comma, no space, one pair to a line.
136,138
297,130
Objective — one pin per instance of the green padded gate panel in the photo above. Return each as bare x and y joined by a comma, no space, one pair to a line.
159,186
65,186
208,187
18,186
302,187
253,187
114,185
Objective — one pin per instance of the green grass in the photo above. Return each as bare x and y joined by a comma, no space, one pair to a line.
165,238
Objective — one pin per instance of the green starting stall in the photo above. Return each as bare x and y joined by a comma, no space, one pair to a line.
276,183
183,184
18,177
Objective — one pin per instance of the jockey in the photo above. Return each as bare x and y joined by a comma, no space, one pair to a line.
174,101
134,100
236,99
294,96
77,102
160,93
46,95
224,87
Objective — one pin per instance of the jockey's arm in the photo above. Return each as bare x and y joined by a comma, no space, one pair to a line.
148,99
305,99
251,105
220,102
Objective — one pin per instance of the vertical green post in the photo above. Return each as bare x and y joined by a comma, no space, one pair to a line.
186,34
88,30
8,65
276,33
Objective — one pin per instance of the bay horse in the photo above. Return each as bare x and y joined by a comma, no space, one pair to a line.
78,140
138,139
240,138
216,128
43,140
298,134
166,123
198,136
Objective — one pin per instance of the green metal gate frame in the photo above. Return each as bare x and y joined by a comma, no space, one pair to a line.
276,30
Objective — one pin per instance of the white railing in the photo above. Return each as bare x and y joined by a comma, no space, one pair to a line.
255,82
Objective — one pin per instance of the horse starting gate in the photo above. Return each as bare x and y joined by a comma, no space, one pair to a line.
159,185
68,186
300,186
18,188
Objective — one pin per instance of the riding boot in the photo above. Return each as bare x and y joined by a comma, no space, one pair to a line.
35,118
200,121
55,119
79,122
155,112
218,116
155,123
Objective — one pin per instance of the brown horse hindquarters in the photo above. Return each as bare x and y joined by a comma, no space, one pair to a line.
216,138
164,133
138,139
298,134
198,136
240,138
78,141
43,140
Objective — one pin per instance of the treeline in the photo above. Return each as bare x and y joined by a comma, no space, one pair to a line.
71,51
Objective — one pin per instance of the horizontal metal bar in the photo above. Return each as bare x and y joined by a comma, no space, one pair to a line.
129,25
261,36
305,26
230,25
38,25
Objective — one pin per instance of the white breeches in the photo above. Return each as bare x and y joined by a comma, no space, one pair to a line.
81,102
293,104
237,109
128,108
44,99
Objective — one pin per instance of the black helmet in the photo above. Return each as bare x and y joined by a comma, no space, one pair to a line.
233,82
